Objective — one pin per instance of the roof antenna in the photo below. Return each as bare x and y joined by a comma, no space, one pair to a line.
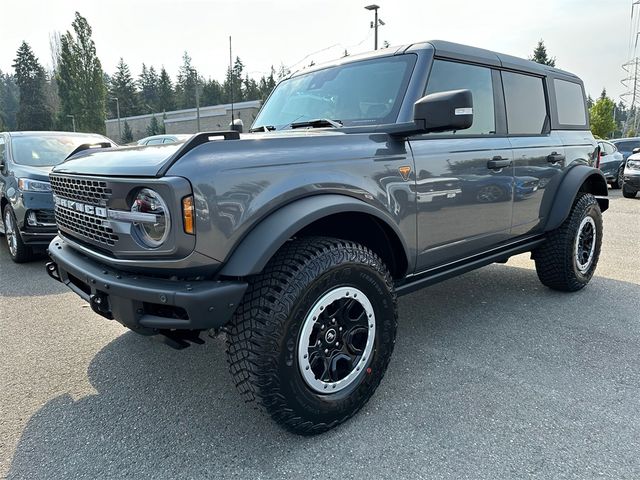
231,80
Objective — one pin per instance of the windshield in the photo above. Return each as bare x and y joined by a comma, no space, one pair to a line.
47,150
368,92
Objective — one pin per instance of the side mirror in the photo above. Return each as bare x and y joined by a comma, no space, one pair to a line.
636,150
444,111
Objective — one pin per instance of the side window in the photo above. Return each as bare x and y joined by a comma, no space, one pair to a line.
454,76
155,141
525,102
607,148
2,157
570,102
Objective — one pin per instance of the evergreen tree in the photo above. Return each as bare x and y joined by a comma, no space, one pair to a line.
267,84
123,87
212,93
166,94
234,81
589,102
153,128
251,89
127,134
148,95
33,113
186,84
9,101
80,79
540,55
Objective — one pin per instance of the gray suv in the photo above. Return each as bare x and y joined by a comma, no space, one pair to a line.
362,180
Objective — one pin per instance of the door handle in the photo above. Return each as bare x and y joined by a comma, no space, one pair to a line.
497,163
555,157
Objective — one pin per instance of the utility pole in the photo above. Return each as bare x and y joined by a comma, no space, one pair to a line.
197,103
73,121
375,23
231,80
630,82
118,114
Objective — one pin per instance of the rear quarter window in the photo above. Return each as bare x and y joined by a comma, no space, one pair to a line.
570,103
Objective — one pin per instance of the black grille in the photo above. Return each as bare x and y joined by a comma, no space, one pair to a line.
86,226
93,192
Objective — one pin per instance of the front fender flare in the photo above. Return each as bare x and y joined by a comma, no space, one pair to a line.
594,182
264,240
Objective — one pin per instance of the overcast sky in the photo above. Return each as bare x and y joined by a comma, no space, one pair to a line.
588,37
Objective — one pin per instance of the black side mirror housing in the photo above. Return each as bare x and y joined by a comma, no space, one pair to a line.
636,150
439,112
444,111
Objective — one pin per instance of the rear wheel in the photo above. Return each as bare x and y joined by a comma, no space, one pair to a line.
313,336
19,251
568,258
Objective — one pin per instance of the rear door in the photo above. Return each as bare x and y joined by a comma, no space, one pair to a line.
539,154
464,179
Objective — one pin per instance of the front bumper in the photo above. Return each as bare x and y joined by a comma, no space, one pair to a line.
632,180
145,304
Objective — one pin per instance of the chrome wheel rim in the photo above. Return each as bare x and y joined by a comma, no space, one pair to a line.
336,340
585,246
10,232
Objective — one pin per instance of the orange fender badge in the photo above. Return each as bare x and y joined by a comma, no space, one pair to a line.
405,170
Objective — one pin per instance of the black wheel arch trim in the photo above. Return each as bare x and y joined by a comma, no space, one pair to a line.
266,238
572,183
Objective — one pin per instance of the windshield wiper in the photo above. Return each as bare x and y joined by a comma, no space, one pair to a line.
318,123
262,128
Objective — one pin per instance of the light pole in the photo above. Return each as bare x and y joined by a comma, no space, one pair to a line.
73,121
195,74
375,23
118,114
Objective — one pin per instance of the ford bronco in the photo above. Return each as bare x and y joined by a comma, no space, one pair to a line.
360,181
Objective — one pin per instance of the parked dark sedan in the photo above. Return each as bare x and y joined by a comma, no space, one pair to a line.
611,163
26,201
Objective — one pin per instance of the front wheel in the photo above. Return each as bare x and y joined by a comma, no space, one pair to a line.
313,336
18,250
569,256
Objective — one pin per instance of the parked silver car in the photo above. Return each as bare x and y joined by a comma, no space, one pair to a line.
163,139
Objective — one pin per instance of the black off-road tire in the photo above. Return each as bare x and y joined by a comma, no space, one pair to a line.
262,338
628,192
555,260
22,252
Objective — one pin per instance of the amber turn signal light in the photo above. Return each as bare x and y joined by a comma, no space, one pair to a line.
187,215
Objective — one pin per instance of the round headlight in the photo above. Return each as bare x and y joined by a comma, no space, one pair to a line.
152,232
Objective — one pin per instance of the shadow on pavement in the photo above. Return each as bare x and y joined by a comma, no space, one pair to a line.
14,276
493,376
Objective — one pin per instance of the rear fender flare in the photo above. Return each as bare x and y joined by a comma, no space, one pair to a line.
579,178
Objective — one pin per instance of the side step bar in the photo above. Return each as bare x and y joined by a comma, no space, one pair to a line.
444,272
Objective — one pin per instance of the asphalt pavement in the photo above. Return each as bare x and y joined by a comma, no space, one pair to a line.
493,376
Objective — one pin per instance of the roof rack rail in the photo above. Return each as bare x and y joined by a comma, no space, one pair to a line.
195,141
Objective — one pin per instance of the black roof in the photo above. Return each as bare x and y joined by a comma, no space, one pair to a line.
458,51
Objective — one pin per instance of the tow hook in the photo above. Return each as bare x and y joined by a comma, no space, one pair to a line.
52,271
100,304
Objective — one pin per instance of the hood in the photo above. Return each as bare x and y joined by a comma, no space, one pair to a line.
136,161
33,173
155,160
